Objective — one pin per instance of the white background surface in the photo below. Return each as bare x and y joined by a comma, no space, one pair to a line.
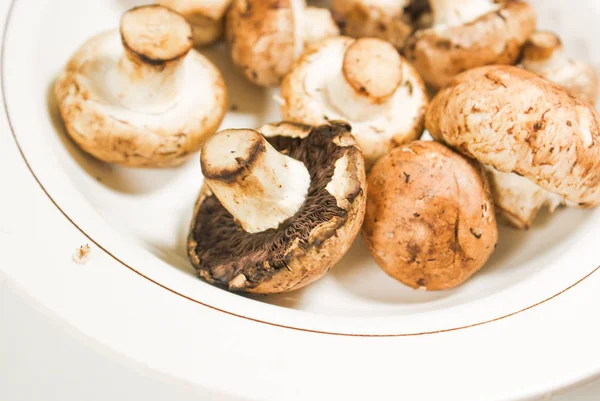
39,360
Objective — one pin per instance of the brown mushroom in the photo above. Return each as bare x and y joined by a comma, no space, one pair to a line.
205,16
266,36
276,214
141,97
392,21
545,55
363,81
540,144
469,33
430,219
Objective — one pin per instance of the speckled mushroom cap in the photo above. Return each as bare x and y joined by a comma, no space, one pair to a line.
205,16
430,219
365,82
544,55
140,97
266,36
304,247
388,20
490,32
516,122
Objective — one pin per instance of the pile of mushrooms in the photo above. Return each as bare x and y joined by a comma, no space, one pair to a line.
512,119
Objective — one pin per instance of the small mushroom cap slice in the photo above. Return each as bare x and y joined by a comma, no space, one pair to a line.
496,37
384,19
430,219
516,122
362,81
205,16
266,36
303,248
544,55
125,99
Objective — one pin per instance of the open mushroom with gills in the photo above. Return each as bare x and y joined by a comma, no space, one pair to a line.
265,37
430,219
205,16
545,55
276,214
141,97
363,81
467,34
392,21
540,144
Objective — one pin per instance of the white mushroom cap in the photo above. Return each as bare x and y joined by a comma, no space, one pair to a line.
515,122
205,16
364,82
467,34
266,36
544,55
258,185
390,20
141,97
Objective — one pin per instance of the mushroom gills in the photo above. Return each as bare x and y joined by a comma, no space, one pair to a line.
303,247
518,199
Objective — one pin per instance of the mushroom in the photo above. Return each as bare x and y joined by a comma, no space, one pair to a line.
430,220
393,21
266,36
205,17
276,214
469,33
363,81
540,144
544,55
141,98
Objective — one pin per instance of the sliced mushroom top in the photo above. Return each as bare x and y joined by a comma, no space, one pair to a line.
513,121
141,96
276,213
545,55
365,82
467,34
266,36
205,16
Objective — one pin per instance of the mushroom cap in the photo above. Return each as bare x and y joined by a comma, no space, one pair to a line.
306,246
306,98
430,219
98,123
514,121
262,38
439,54
205,16
388,20
544,55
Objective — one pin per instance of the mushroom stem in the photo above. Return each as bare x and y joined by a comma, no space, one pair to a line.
258,185
544,51
459,12
370,75
156,41
518,199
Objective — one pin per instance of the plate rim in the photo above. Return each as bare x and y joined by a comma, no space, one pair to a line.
121,262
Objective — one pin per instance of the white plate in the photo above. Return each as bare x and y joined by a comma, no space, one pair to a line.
524,326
